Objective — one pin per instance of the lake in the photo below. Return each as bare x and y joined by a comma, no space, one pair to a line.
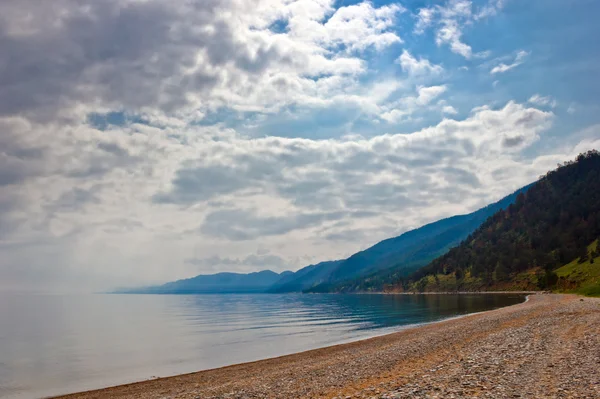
53,344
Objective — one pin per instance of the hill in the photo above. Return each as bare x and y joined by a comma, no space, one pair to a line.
222,283
305,278
368,270
582,275
548,233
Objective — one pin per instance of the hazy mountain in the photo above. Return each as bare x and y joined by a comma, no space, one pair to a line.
306,277
366,270
223,283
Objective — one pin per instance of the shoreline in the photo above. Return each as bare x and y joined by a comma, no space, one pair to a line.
455,293
376,335
398,361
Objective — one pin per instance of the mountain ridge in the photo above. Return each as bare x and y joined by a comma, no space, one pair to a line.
363,271
410,250
223,283
550,232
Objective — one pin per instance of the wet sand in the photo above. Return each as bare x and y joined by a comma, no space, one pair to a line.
547,347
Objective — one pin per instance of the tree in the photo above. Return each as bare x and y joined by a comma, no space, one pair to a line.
547,280
583,256
500,272
459,274
548,226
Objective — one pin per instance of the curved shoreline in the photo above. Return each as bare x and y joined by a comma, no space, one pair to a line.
377,333
457,293
404,360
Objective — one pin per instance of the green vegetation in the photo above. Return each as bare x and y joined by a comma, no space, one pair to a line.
581,277
526,245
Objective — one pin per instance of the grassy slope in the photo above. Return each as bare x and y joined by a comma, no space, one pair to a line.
525,281
581,278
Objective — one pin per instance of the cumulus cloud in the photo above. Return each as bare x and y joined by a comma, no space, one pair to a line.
331,180
180,59
428,94
502,67
405,107
449,110
418,67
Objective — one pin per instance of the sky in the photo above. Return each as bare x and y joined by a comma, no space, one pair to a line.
143,141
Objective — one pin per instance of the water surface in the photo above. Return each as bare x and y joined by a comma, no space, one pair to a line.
52,344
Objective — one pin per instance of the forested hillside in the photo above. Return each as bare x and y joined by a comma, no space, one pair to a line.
368,270
550,225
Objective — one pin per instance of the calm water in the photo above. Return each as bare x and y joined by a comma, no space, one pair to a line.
59,344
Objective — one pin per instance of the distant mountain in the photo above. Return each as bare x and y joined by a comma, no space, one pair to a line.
223,283
305,278
368,270
547,239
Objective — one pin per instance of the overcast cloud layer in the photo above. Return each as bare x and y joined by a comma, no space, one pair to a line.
145,141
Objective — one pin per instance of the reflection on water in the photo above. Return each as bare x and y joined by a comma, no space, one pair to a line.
59,344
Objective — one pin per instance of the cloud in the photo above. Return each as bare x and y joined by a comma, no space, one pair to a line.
181,59
405,107
502,67
420,67
449,110
245,225
360,26
75,200
490,9
252,262
327,179
192,184
424,20
450,33
449,21
428,94
542,101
